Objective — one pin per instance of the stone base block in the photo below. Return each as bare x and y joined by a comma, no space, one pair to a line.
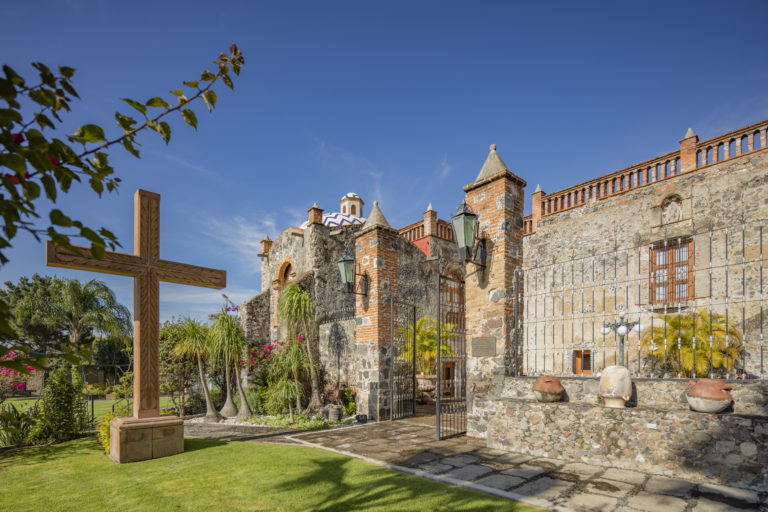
134,439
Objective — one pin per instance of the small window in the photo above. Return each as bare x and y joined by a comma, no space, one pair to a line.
672,272
344,209
582,362
287,273
353,209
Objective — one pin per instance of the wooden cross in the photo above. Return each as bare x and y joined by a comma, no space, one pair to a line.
147,270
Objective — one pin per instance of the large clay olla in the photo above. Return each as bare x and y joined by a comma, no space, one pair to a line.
548,389
615,386
709,395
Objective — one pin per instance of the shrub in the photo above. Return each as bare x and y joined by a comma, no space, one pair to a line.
348,399
104,430
16,425
63,413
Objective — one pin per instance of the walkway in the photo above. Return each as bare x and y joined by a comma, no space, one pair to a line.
551,484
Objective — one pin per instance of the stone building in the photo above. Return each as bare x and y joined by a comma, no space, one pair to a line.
613,270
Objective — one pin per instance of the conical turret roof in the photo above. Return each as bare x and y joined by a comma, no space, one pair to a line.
492,166
376,218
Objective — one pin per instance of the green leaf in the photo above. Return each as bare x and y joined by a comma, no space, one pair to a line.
14,162
163,129
31,189
49,184
7,90
68,87
135,104
66,71
43,121
44,97
125,122
59,219
193,84
89,133
157,101
128,145
177,92
210,97
189,117
8,117
207,76
97,250
228,81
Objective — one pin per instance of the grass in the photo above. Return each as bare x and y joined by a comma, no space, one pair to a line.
100,407
214,475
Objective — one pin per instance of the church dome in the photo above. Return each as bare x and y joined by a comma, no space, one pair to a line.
337,220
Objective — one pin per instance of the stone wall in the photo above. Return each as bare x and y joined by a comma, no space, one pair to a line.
659,434
586,264
255,319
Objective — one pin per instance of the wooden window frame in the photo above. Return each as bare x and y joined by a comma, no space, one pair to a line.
579,357
670,249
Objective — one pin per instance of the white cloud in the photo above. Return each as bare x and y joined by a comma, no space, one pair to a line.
241,237
199,169
445,168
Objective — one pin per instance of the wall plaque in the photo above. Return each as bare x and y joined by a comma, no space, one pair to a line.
483,347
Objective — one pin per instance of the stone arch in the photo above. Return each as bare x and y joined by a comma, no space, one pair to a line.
286,272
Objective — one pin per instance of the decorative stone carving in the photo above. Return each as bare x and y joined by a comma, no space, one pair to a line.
548,389
709,395
671,210
615,386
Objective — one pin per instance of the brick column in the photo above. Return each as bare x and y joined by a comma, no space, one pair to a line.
315,215
688,151
537,208
376,257
430,221
497,197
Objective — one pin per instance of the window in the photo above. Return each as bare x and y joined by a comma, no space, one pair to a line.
671,272
582,362
353,209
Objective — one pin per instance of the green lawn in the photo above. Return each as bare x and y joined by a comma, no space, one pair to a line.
214,475
100,407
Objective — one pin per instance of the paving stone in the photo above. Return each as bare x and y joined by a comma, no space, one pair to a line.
435,468
582,471
489,453
592,502
705,505
656,502
459,460
546,463
732,493
525,471
623,475
609,487
500,481
498,466
668,486
469,472
513,458
545,488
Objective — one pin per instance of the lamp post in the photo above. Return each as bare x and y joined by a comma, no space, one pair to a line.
347,271
622,328
465,228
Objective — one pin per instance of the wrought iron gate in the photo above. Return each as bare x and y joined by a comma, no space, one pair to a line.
451,393
402,374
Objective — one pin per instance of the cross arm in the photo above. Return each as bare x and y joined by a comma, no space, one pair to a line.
193,275
113,262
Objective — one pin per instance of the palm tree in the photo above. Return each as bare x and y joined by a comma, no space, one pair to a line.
290,362
195,341
82,308
228,341
426,343
296,311
683,361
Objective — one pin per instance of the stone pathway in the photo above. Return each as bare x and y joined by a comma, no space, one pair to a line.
224,432
547,483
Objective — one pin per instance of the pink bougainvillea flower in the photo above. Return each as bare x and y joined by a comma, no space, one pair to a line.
18,138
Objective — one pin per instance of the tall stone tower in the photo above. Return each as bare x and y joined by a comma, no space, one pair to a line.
491,315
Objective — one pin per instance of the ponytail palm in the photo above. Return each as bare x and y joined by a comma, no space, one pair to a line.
228,340
296,311
195,341
726,343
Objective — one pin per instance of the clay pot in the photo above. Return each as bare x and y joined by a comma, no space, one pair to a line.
548,389
615,386
709,395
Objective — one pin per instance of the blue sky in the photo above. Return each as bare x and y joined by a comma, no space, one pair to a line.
397,101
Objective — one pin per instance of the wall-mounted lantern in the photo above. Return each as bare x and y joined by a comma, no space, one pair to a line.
347,270
465,229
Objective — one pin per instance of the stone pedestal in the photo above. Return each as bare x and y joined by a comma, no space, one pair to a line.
134,439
